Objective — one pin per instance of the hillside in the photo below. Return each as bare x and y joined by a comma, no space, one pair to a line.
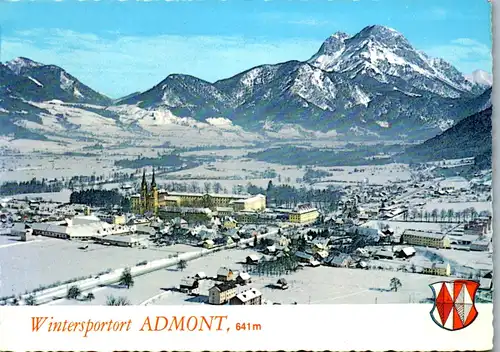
471,137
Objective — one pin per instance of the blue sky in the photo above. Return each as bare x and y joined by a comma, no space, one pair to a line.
119,47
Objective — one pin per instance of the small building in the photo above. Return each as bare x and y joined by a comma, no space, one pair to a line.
221,293
482,245
383,254
200,276
362,265
120,241
485,284
251,297
270,249
314,263
282,284
190,286
439,269
230,223
208,244
225,274
304,257
341,260
405,252
252,259
243,278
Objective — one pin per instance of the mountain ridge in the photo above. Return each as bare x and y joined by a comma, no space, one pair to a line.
373,83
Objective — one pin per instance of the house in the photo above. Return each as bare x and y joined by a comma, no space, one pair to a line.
200,276
221,293
482,245
320,244
488,275
190,286
282,284
230,223
437,269
383,254
304,257
362,265
406,252
321,255
225,274
341,260
251,297
208,244
270,249
362,252
243,278
485,284
252,259
315,263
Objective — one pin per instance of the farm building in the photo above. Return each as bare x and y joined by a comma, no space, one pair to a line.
250,297
221,293
190,286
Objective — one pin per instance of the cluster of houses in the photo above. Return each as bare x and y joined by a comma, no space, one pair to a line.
225,288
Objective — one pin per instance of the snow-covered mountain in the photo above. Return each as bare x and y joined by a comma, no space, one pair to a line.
374,81
38,82
480,77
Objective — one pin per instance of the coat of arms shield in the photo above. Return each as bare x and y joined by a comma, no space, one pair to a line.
454,303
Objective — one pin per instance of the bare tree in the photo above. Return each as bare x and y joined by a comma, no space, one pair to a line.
395,284
207,186
217,187
434,215
443,215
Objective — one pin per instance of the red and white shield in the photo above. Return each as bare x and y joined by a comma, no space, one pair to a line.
454,303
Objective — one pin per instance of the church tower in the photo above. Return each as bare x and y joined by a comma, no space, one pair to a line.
144,193
154,196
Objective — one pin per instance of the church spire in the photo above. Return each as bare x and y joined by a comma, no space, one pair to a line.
153,182
144,184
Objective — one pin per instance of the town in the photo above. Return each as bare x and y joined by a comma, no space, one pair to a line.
151,242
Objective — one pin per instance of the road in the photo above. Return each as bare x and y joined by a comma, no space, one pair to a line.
49,295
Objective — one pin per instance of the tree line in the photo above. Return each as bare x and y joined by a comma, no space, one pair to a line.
99,198
33,186
449,215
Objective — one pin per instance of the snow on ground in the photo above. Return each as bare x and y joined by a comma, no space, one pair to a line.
8,240
400,226
327,285
321,285
32,264
479,206
62,196
245,170
375,174
149,285
463,260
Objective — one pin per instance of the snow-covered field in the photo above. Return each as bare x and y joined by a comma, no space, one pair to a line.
325,285
467,260
400,226
374,174
28,265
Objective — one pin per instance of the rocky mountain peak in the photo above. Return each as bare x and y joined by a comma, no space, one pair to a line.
19,64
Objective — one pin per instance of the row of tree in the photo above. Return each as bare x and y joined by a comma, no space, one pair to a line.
449,215
280,266
33,186
99,198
